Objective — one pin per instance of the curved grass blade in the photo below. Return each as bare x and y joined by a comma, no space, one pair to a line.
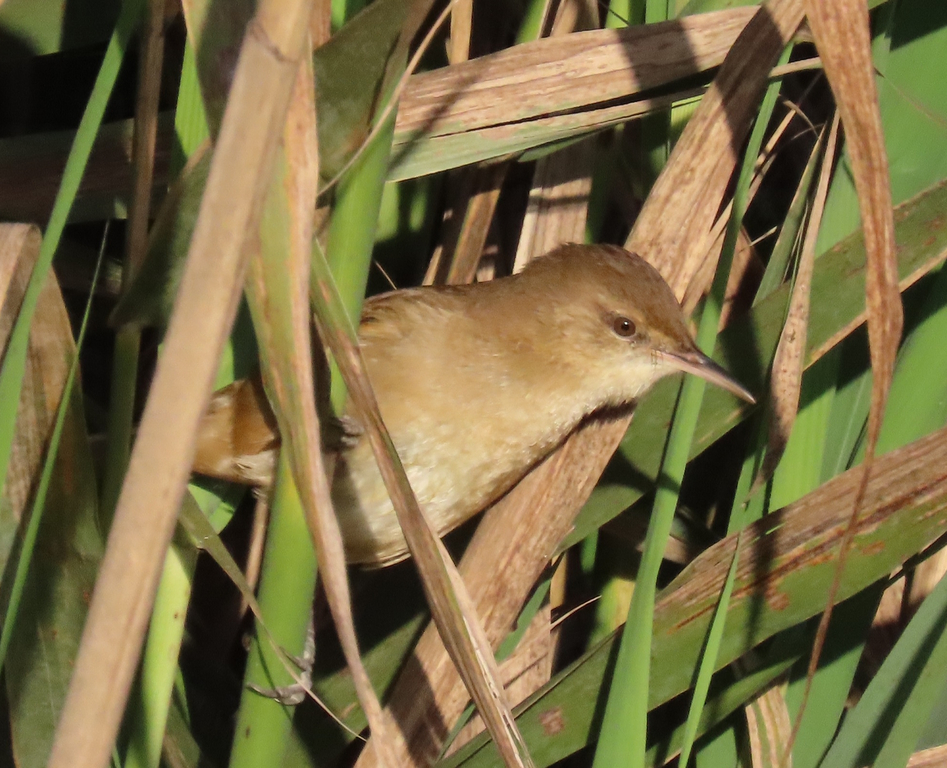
883,728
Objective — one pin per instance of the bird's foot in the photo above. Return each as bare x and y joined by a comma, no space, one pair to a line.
340,433
295,693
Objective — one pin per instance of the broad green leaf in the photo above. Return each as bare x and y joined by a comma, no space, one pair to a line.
786,565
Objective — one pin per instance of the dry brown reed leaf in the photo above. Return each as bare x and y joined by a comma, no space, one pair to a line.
684,201
885,629
519,534
842,36
320,23
477,196
475,228
925,577
572,15
553,75
899,603
45,374
523,672
19,249
712,246
768,726
841,31
161,460
790,358
700,282
33,166
65,554
461,26
474,193
935,757
558,203
278,294
145,137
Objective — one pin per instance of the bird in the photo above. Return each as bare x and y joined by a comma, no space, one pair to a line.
477,384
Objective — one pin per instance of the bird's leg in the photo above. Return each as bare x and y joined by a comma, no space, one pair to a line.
295,693
337,433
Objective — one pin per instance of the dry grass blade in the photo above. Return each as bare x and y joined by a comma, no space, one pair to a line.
743,257
926,576
278,291
473,191
19,249
145,138
160,462
474,194
527,669
476,224
461,27
841,32
768,726
558,202
459,109
935,757
789,361
451,606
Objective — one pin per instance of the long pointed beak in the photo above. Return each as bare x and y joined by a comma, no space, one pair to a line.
699,364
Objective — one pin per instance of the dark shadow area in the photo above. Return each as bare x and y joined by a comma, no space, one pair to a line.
916,19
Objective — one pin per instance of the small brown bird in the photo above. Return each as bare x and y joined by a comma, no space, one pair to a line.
477,384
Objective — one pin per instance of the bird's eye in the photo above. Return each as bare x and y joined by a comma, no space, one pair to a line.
624,327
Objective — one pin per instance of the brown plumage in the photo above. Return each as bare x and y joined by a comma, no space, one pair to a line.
478,383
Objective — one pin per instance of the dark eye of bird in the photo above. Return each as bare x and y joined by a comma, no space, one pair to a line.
624,327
